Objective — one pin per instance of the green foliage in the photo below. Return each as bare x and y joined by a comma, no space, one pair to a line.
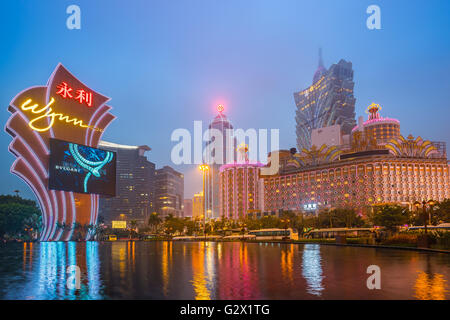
391,217
441,212
19,218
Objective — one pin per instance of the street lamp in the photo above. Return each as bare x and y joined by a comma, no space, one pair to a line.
204,168
424,203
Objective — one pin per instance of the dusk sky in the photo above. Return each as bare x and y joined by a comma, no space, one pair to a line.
167,63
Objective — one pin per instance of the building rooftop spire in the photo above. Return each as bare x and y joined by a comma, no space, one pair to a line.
321,70
320,58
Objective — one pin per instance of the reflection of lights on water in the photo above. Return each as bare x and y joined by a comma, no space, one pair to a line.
430,286
287,261
312,269
200,279
93,269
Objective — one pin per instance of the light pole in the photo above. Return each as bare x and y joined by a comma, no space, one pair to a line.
424,203
204,168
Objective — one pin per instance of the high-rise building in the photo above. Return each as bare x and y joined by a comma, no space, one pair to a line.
381,167
198,205
187,203
135,178
220,123
328,101
240,187
169,192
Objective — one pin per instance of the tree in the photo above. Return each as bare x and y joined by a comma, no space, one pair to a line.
348,218
441,212
19,218
390,217
154,221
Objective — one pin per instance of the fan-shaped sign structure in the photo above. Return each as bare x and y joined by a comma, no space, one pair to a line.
64,109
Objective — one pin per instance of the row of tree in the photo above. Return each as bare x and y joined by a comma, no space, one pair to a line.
21,219
388,216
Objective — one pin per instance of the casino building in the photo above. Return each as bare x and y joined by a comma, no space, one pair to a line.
240,187
380,167
328,101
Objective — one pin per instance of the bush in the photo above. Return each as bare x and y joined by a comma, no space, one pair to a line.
401,238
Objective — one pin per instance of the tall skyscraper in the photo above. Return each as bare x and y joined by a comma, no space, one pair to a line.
221,123
135,179
169,192
328,101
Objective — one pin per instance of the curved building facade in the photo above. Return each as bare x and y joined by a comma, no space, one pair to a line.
328,101
377,129
401,171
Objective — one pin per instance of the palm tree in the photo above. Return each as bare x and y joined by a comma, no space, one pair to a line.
133,224
153,221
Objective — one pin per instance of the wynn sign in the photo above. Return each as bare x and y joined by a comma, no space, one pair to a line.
56,129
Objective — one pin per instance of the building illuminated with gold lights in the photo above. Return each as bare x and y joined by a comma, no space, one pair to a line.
198,205
380,167
239,187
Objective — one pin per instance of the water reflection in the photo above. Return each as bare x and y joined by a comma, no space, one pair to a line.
430,286
207,270
312,269
200,275
49,277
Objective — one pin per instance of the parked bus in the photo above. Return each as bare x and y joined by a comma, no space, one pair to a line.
274,234
339,232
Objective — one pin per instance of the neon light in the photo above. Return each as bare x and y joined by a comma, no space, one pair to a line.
84,96
49,113
64,90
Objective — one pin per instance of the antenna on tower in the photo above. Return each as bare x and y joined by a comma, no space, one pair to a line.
320,57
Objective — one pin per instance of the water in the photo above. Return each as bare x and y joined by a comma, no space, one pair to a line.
198,270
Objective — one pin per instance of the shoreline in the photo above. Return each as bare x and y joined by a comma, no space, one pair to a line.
372,246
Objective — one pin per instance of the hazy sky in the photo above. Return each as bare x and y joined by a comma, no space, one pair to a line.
167,63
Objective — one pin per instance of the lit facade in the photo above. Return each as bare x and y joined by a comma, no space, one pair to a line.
169,192
198,205
135,184
221,123
240,192
376,130
327,102
403,171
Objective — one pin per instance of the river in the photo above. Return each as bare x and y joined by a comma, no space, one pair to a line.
217,270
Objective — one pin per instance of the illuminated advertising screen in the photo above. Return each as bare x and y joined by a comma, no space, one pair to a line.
78,168
119,224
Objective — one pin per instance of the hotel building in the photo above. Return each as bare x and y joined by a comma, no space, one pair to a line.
328,101
240,187
169,192
135,182
381,167
222,124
